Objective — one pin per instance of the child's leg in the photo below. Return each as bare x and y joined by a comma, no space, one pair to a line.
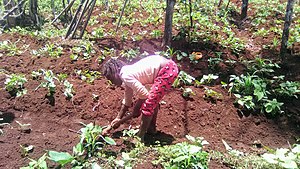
152,127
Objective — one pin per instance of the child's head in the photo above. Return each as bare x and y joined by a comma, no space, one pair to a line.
111,70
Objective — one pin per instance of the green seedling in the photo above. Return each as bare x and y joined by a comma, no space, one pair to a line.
87,75
50,49
10,48
69,91
209,93
156,33
187,92
14,84
245,101
48,82
130,54
62,76
207,79
39,164
89,138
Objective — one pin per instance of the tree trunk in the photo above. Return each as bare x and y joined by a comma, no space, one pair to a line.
168,23
244,9
287,23
33,11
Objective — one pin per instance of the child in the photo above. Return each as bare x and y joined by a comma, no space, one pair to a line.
154,69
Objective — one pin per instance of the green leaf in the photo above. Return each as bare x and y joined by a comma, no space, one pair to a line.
60,157
180,158
289,164
109,141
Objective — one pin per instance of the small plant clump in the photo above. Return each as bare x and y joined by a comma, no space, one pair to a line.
14,84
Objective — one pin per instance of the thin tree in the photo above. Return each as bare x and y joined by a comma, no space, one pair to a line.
168,23
244,9
287,23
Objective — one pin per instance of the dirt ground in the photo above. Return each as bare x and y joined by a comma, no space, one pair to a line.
53,125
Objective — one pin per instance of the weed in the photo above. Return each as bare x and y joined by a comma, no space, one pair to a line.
14,84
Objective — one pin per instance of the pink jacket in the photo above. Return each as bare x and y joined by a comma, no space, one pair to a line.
137,75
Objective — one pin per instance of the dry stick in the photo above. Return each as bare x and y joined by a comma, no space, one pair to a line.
13,9
71,27
88,17
121,15
80,18
69,6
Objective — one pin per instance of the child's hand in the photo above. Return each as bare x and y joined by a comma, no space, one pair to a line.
106,131
115,123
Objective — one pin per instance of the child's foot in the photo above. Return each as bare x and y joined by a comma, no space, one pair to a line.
152,131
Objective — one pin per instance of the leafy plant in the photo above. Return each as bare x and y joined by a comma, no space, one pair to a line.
91,143
183,78
273,106
245,101
14,84
286,158
184,155
214,62
288,89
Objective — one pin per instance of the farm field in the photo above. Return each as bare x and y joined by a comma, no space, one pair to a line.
65,88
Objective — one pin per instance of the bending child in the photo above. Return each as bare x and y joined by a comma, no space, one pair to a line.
154,69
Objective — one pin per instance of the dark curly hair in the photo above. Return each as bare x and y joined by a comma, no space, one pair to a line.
112,67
